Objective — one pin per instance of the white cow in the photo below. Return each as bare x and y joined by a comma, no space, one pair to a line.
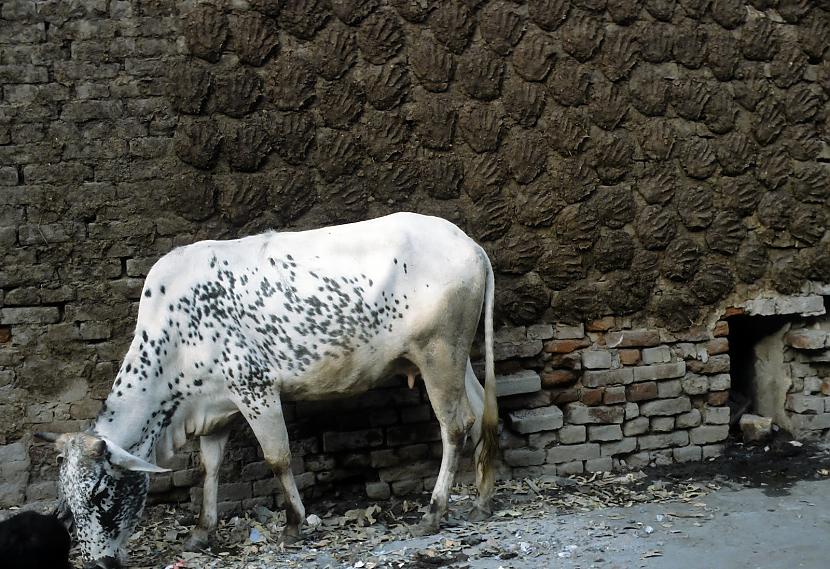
227,327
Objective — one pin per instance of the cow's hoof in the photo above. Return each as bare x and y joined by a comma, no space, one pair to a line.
479,514
290,537
423,528
196,541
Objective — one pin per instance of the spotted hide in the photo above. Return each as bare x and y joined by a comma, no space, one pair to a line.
240,326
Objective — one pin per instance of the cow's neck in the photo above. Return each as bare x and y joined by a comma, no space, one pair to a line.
142,401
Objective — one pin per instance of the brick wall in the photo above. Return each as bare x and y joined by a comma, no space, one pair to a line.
647,163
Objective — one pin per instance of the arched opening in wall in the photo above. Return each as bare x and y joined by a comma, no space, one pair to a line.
752,346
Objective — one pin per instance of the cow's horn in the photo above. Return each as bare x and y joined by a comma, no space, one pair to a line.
49,437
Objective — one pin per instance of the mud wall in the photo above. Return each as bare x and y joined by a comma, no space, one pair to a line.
649,162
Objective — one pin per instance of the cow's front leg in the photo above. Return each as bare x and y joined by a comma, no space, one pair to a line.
269,428
213,449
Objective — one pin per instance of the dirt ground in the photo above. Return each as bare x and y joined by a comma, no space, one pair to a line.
755,507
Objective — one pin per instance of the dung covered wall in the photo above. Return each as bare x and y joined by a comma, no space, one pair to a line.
652,162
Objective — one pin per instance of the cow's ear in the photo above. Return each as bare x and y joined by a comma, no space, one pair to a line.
122,458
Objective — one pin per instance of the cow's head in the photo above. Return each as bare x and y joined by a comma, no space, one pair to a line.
104,487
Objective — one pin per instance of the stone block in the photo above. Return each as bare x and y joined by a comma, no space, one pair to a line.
571,434
566,332
602,464
636,426
721,329
642,391
616,448
569,453
708,434
600,324
799,403
414,469
689,453
632,339
540,331
659,371
688,420
812,305
632,410
191,476
413,452
591,396
712,451
524,457
535,420
656,355
717,398
807,339
614,394
596,378
669,388
579,414
543,440
694,384
716,415
378,491
235,491
675,439
597,359
525,381
568,468
411,434
30,315
379,459
720,382
638,460
40,491
13,452
810,422
665,406
755,428
407,487
715,364
604,433
661,424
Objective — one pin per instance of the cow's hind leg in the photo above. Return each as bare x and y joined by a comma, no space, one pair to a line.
445,385
212,449
269,429
485,479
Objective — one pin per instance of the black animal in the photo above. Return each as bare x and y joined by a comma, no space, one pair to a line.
34,541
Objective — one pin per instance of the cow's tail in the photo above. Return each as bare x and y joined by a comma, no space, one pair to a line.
490,419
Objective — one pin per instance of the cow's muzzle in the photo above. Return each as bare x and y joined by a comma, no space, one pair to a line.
104,563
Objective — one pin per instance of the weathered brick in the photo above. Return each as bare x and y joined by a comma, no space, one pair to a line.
642,391
721,329
568,468
675,439
694,384
665,406
716,415
614,394
669,388
715,364
622,376
8,176
591,396
717,398
656,355
411,434
558,378
597,359
410,470
661,424
632,339
600,325
378,490
535,420
632,410
569,453
235,491
602,464
525,381
566,332
720,382
622,446
350,440
708,434
604,433
689,453
689,419
717,346
570,434
579,414
811,422
712,451
659,371
807,339
524,457
566,346
629,356
540,332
